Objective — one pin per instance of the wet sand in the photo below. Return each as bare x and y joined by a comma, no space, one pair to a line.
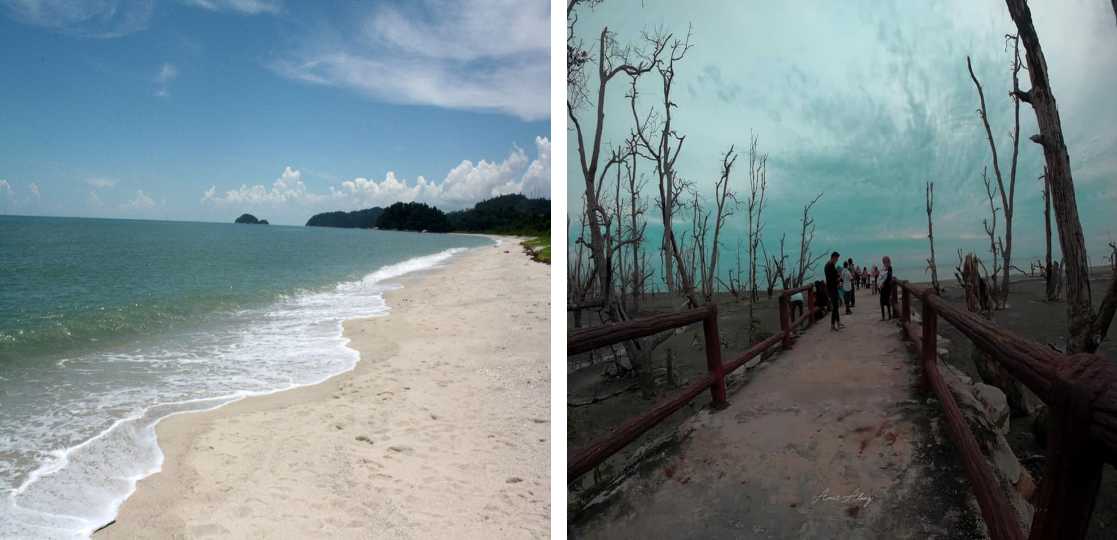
441,430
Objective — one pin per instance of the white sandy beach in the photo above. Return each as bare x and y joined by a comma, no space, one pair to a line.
442,430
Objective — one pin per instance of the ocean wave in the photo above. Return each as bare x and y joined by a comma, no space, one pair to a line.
294,342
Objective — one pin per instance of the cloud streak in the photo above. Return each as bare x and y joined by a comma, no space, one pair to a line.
244,7
439,54
93,18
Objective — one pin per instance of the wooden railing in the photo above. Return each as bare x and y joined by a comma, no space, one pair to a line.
1080,391
580,341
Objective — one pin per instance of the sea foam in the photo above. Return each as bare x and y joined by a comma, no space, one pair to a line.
295,342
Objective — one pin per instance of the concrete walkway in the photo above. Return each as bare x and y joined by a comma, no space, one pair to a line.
833,439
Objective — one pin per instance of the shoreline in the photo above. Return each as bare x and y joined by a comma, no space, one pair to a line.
186,493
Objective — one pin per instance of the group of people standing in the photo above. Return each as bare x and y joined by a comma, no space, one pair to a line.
842,284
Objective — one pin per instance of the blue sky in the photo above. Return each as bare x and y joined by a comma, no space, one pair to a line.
866,100
204,109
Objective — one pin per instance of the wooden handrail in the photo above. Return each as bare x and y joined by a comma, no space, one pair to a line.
1081,391
587,339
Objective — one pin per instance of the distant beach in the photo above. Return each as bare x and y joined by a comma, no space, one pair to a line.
441,430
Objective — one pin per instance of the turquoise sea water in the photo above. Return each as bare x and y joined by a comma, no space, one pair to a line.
107,326
908,255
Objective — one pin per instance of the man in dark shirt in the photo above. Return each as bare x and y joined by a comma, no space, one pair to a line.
832,290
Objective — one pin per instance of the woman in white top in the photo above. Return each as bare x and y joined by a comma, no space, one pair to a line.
847,286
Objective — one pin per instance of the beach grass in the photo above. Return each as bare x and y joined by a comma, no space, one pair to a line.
539,247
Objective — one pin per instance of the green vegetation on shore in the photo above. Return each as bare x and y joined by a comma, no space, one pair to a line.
538,248
512,214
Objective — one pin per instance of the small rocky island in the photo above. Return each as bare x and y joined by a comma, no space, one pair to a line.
251,220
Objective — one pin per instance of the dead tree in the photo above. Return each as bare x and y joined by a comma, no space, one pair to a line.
1086,328
807,260
639,269
1007,195
1049,277
694,252
931,237
625,249
758,186
775,268
723,194
659,142
736,280
612,60
991,232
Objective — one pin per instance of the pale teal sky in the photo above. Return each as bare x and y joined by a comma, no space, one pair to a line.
866,100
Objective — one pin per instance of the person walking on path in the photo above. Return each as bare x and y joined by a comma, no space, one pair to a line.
886,290
847,283
876,279
832,287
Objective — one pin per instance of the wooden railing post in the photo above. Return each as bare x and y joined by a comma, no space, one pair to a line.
785,322
713,360
1074,465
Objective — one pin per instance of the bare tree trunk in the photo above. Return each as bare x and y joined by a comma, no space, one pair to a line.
663,149
758,185
991,232
1086,330
610,63
1048,271
722,193
931,237
1007,194
806,236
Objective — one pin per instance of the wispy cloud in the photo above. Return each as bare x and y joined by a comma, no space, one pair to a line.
465,184
115,18
167,73
247,7
100,182
97,19
142,201
441,54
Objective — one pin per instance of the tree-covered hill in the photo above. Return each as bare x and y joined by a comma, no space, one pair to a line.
506,214
509,214
357,219
413,216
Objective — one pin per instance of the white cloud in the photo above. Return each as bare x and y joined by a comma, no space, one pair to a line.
141,202
464,185
100,183
465,30
167,73
5,189
94,18
441,54
34,189
289,187
94,201
246,7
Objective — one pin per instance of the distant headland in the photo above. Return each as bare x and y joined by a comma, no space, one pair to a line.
506,214
250,220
